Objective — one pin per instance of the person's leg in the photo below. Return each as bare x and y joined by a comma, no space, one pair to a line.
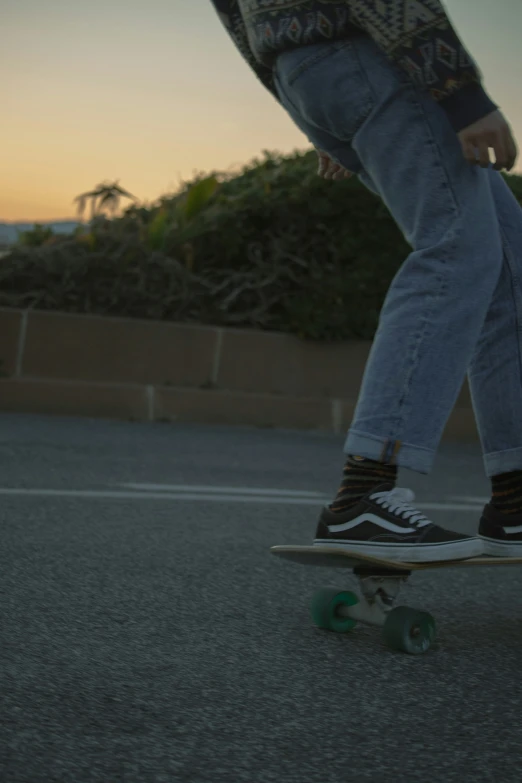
495,368
495,380
354,104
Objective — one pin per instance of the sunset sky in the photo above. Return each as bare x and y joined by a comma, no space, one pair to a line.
151,91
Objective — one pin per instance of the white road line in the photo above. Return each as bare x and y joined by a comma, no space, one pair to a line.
94,494
225,490
470,499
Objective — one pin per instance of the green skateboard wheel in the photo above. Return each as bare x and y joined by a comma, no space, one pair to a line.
409,630
325,606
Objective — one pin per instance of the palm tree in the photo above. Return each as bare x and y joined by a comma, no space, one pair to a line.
107,195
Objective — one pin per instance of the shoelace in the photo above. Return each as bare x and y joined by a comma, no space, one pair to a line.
398,502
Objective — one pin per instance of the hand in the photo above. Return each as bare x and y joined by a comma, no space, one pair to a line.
330,170
490,131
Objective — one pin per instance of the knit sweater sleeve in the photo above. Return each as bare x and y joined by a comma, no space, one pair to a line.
230,15
424,44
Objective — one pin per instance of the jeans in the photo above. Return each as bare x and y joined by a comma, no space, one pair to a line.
455,306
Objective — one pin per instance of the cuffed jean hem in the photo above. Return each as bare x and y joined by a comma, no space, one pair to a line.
390,452
502,462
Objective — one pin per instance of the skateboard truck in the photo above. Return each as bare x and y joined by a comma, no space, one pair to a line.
380,586
379,592
404,629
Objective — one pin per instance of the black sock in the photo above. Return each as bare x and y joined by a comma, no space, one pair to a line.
360,476
507,492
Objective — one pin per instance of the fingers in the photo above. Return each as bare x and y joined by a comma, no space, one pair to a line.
342,174
328,169
512,151
476,152
483,155
506,152
332,170
336,172
324,163
504,147
501,154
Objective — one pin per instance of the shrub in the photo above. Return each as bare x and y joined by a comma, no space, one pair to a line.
273,247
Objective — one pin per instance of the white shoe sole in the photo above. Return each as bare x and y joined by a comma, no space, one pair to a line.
412,553
495,548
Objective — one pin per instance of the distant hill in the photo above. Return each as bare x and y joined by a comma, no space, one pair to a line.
9,231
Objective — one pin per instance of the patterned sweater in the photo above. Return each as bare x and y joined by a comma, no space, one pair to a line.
417,36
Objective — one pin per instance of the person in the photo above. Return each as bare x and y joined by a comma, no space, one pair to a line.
387,91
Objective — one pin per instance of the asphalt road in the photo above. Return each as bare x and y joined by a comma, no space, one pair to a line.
146,635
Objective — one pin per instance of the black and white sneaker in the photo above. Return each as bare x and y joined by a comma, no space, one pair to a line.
384,524
501,533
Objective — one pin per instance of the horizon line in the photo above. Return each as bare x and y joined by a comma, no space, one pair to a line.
46,220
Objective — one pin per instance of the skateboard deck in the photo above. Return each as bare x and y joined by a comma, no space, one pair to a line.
331,557
333,609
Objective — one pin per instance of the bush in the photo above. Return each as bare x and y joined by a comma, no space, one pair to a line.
275,247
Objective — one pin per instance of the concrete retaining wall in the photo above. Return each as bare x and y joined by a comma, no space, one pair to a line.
147,370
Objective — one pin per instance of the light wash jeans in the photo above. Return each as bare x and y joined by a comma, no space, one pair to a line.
455,306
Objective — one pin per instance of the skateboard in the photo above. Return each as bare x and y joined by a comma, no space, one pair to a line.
405,629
